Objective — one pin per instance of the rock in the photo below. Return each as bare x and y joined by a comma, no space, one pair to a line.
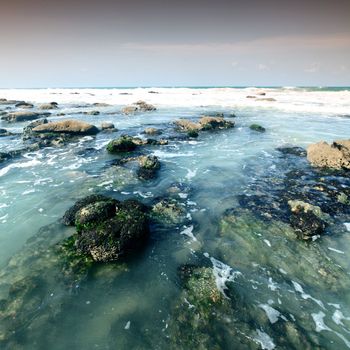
4,101
101,104
168,211
14,117
4,132
295,151
71,127
129,110
24,105
95,213
192,133
116,234
148,167
261,93
139,106
145,107
124,143
69,216
336,155
268,99
153,92
92,113
250,96
108,126
152,131
257,127
51,105
307,220
205,123
28,130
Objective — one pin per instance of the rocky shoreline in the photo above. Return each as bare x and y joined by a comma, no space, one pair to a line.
307,199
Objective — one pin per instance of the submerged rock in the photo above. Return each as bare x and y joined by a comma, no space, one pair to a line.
257,127
4,132
292,150
14,117
92,113
336,155
168,211
71,127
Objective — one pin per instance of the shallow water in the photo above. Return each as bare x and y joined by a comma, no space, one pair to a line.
270,275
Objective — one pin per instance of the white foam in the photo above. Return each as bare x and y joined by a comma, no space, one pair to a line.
28,164
271,313
321,326
305,296
264,340
338,316
347,225
127,326
267,242
223,274
191,174
336,250
188,231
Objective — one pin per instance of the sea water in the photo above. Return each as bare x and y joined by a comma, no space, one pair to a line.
134,310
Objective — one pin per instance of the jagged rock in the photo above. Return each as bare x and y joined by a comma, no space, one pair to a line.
72,127
336,155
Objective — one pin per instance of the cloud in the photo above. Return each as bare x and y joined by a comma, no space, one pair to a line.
234,64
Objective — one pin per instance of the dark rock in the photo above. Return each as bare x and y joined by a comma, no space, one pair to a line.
295,151
24,105
257,127
205,123
192,133
92,113
69,216
113,238
124,143
148,167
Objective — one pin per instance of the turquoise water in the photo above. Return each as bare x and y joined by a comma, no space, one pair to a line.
278,288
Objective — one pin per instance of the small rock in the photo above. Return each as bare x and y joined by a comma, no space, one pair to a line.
51,105
257,127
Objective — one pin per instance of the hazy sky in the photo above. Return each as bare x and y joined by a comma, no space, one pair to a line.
65,43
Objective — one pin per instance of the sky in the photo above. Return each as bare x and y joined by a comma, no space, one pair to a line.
101,43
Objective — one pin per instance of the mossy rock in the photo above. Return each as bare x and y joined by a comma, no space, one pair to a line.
122,144
257,127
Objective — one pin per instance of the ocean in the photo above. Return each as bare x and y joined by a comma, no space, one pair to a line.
267,289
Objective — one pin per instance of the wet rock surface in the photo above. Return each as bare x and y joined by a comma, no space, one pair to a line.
15,117
205,123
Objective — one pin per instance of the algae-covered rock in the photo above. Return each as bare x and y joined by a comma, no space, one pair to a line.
148,167
307,220
168,211
122,144
204,123
257,127
108,240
